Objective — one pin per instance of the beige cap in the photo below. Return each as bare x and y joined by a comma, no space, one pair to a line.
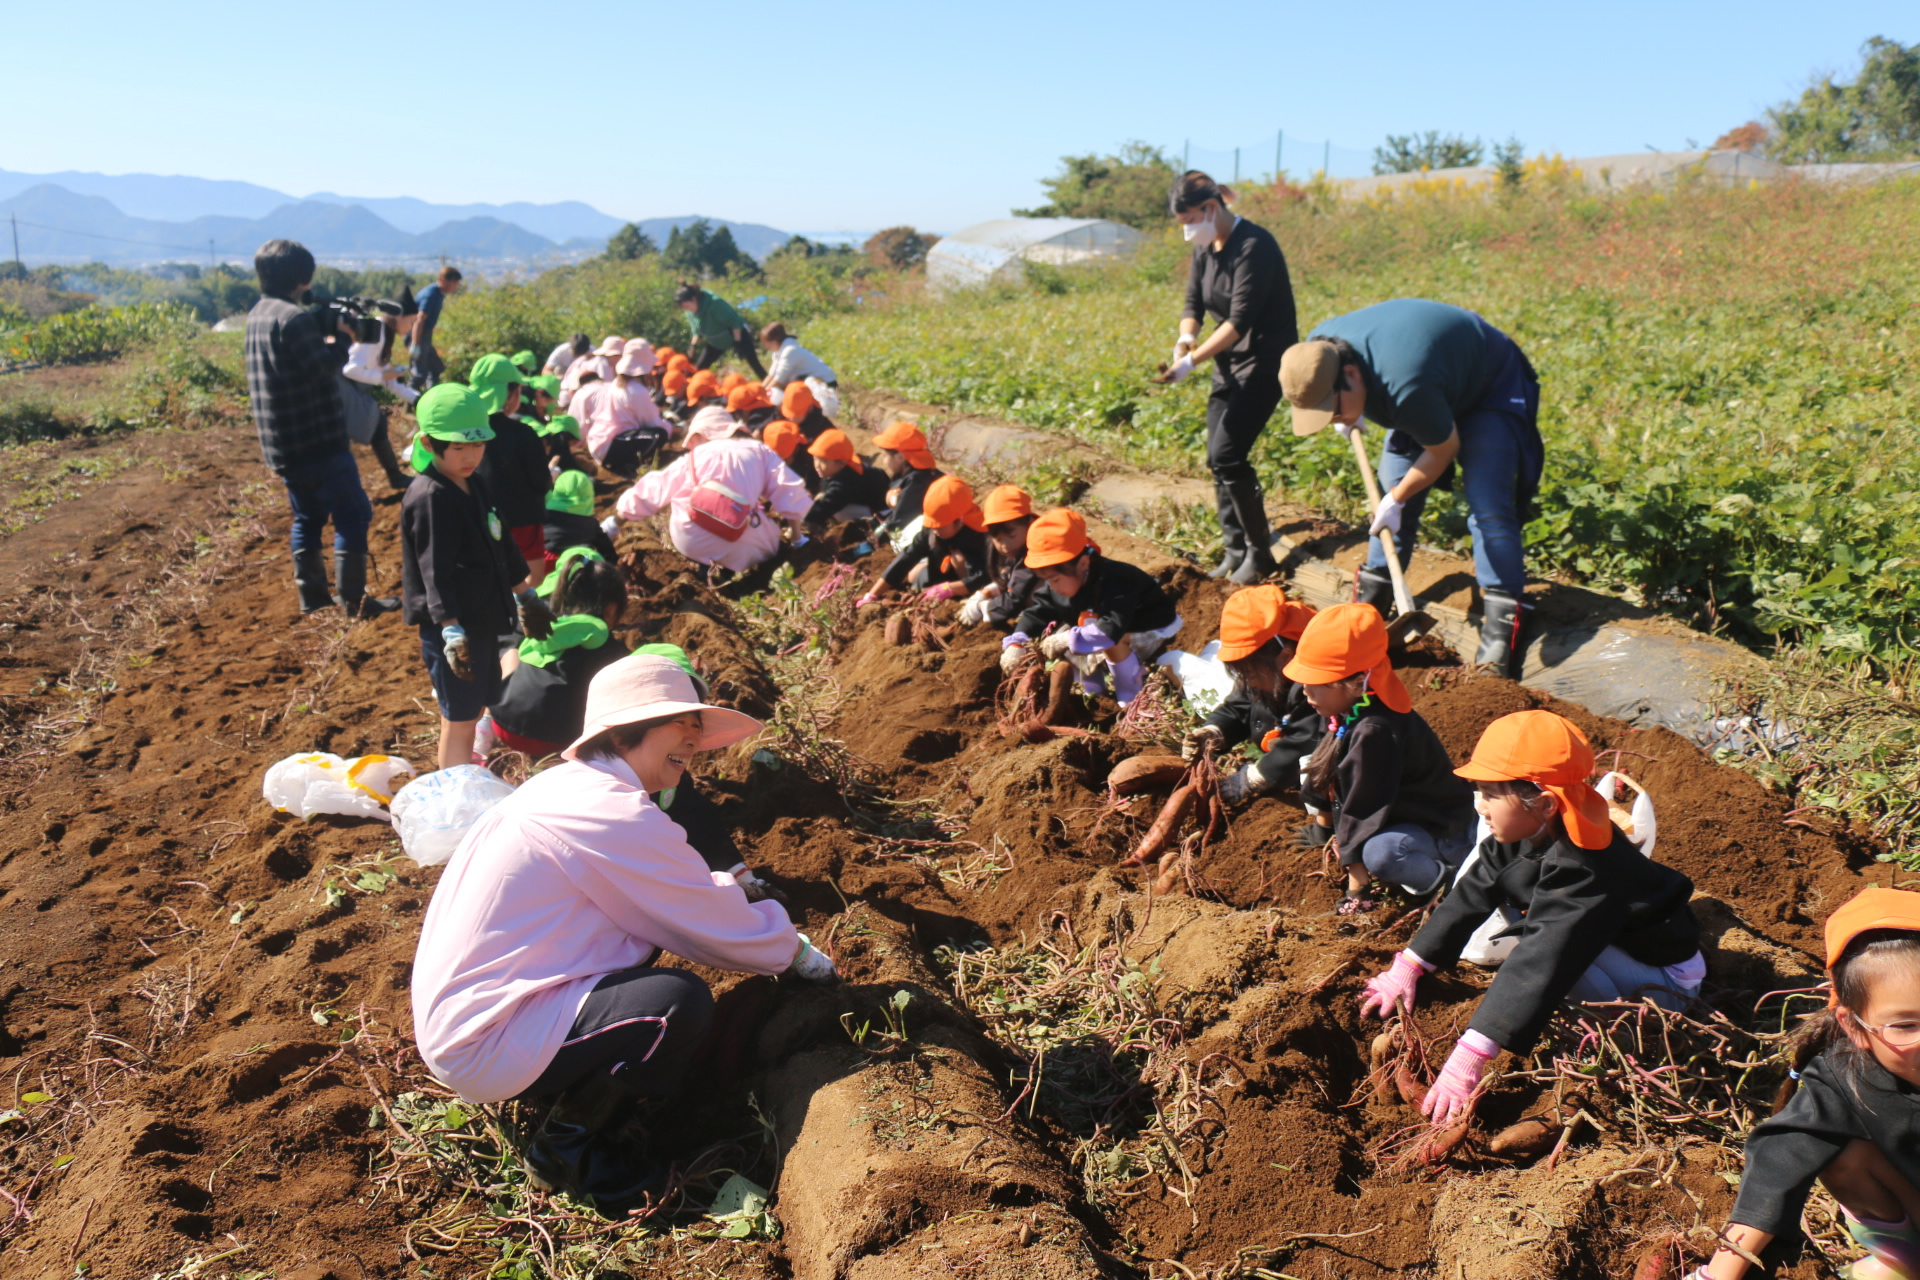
644,687
1308,374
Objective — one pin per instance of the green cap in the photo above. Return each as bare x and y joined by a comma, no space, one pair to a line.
525,361
552,580
672,652
490,377
546,382
574,631
560,424
572,492
448,411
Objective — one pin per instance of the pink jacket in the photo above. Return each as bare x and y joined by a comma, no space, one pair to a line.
570,381
745,466
616,410
576,875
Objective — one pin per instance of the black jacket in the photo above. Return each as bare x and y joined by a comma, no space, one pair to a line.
1122,597
1844,1095
964,558
1577,902
848,488
549,704
1241,717
814,423
457,563
1392,769
564,529
906,497
1017,585
1246,285
800,462
515,469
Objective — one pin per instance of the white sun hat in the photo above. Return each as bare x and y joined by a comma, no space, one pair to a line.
645,687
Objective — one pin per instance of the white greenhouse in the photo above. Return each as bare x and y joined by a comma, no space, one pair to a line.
999,250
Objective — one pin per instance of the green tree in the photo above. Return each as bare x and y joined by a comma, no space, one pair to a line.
1412,152
1876,117
1507,163
1130,187
701,249
902,248
628,243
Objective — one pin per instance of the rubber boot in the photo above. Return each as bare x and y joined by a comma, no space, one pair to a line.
1250,504
310,576
1375,588
383,452
585,1147
1500,616
350,576
1233,538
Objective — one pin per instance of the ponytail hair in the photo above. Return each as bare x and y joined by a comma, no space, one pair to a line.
1852,986
586,585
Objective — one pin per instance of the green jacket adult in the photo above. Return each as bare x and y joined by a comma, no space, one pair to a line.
715,322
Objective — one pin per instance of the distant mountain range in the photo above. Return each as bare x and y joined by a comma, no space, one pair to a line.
130,218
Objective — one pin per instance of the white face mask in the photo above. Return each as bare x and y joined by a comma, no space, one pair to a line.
1196,231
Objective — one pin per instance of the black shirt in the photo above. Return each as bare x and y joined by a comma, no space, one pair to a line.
1393,769
1123,598
1241,717
800,462
515,469
1577,903
1246,285
1017,585
906,497
964,557
457,563
849,488
549,704
565,529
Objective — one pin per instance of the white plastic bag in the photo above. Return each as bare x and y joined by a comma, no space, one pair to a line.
827,397
433,813
317,782
1204,679
1639,825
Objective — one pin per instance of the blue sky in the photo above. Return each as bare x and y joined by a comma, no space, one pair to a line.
824,116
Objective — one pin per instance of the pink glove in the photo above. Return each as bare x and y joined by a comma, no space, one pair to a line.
1391,992
1451,1097
871,598
944,591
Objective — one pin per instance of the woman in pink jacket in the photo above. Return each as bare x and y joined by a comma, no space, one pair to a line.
721,493
536,976
624,427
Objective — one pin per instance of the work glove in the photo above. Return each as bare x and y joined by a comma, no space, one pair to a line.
1014,650
1182,345
1055,645
453,637
1451,1097
940,591
611,526
1181,369
810,964
536,619
868,600
1387,514
1244,784
1089,639
1348,430
973,611
756,889
864,549
1129,678
1194,745
1393,991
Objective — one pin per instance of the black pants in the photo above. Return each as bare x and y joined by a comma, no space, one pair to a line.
643,1025
1243,400
707,353
630,450
383,452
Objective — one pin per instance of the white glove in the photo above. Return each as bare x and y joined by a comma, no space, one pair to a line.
812,964
1348,430
610,526
756,889
1011,657
1182,347
1181,369
1197,739
973,611
1387,514
1055,645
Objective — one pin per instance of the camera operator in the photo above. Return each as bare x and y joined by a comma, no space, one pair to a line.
293,380
427,364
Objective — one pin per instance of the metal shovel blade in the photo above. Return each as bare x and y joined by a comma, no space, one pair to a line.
1408,627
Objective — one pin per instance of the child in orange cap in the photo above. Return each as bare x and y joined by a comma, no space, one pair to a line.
1259,629
785,439
1400,814
1008,511
673,390
905,459
1098,614
1600,920
851,487
799,406
948,557
1853,1121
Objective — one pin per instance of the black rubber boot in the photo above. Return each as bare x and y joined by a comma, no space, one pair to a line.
1250,506
350,575
383,451
1375,588
587,1147
1500,648
310,576
1232,536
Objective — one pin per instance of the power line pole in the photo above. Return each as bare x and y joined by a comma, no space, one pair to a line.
14,218
1279,149
1326,163
1236,164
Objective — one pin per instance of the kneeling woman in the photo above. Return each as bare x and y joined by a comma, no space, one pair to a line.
1601,921
720,493
537,975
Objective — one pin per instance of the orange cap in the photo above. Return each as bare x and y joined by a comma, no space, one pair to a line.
797,402
675,383
664,355
908,439
702,386
1255,615
780,436
1550,750
1345,641
1005,504
1873,908
948,499
680,364
732,380
833,443
748,395
1056,538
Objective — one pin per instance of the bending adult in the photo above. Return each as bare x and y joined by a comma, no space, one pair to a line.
1451,390
537,975
788,361
561,358
1239,277
726,495
717,328
427,364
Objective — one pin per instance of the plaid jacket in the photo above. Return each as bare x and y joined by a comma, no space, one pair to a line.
291,377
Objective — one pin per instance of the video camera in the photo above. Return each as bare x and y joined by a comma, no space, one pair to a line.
365,316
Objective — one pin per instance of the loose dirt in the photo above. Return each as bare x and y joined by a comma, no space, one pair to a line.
214,997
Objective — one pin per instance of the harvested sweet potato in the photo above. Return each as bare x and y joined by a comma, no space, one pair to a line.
1533,1136
1145,773
1059,692
900,629
1444,1142
1656,1263
1411,1090
1383,1044
1161,832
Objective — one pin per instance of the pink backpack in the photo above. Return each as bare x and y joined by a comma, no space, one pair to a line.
721,511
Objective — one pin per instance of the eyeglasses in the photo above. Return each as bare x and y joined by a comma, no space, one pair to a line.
1895,1035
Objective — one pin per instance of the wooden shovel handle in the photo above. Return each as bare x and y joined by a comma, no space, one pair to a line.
1402,597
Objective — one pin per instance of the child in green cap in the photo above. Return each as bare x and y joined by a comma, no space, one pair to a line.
515,466
558,436
570,521
543,702
462,579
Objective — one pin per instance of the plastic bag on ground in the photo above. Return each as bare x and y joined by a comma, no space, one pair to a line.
434,813
1204,679
316,782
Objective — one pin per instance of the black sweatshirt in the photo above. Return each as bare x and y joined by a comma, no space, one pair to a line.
549,704
1245,285
1392,769
967,550
1017,585
800,462
1844,1095
1241,717
849,488
1124,599
457,563
906,498
564,529
515,469
1577,902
